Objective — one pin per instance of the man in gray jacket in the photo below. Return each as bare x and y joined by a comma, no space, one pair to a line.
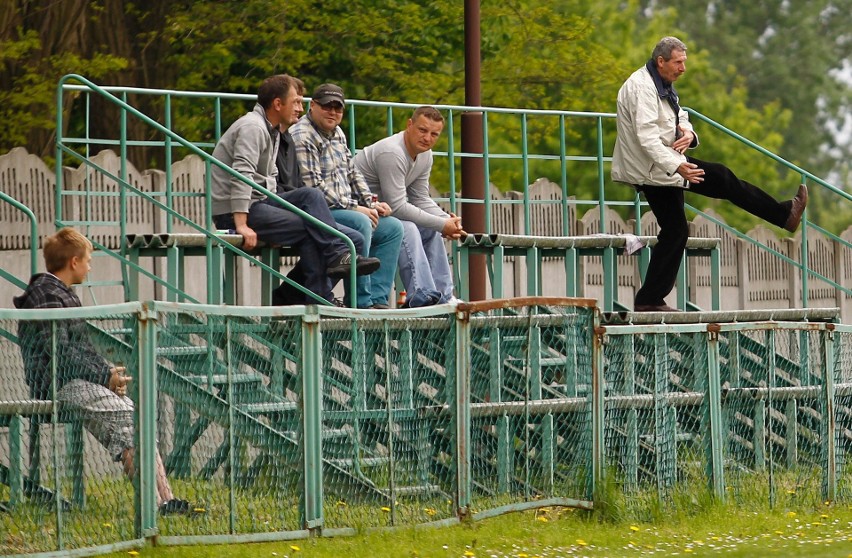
654,133
250,147
397,169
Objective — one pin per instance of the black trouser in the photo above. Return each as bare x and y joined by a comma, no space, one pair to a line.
667,205
281,227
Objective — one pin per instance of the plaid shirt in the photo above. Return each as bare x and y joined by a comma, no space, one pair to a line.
325,163
76,357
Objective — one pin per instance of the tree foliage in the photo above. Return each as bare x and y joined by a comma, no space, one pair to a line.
760,68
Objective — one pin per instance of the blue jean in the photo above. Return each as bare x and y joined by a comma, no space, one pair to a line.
383,243
278,226
423,262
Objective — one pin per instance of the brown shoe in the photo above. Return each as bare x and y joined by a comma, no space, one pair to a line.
800,202
654,308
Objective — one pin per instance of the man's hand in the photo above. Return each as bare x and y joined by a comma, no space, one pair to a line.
118,381
691,172
241,227
383,208
684,141
452,227
371,213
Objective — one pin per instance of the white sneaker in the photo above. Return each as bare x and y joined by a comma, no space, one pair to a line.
453,300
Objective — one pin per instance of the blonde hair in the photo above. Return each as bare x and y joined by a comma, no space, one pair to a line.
59,248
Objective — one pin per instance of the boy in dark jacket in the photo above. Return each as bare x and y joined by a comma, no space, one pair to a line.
86,384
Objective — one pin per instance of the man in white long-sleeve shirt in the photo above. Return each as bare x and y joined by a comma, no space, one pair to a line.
397,169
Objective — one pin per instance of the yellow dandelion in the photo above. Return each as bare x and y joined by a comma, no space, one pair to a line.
523,555
698,542
294,548
341,504
634,528
385,509
791,514
133,553
791,492
687,550
823,516
581,542
716,538
108,525
541,518
779,532
469,553
430,511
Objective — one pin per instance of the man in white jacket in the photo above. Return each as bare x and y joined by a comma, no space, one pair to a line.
653,136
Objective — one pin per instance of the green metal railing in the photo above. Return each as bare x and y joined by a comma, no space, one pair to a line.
63,148
368,121
33,240
280,423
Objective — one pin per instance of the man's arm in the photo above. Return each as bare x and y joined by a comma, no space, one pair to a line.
248,146
642,103
412,203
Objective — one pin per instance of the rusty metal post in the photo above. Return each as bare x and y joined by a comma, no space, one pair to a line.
473,168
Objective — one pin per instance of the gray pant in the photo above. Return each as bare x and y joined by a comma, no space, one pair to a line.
109,417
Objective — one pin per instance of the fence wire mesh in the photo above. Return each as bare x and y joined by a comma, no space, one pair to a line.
388,432
229,421
655,418
531,400
58,459
272,421
774,410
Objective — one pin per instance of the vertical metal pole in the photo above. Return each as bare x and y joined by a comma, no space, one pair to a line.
146,418
598,409
473,168
462,412
311,401
831,364
714,412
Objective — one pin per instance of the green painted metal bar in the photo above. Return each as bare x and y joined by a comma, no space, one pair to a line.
682,282
505,455
596,403
487,164
146,417
391,425
462,412
167,110
715,280
547,453
601,182
525,174
33,233
231,441
389,114
791,411
16,460
770,380
312,410
495,365
533,271
54,423
713,411
610,282
563,177
832,367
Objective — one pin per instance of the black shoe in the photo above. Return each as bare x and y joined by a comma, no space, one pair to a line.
363,266
176,506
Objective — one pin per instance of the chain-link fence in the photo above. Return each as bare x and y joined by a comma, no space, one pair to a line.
257,423
756,414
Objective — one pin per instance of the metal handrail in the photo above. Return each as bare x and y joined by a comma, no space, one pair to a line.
33,240
209,159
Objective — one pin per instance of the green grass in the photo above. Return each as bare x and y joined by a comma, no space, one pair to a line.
725,530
